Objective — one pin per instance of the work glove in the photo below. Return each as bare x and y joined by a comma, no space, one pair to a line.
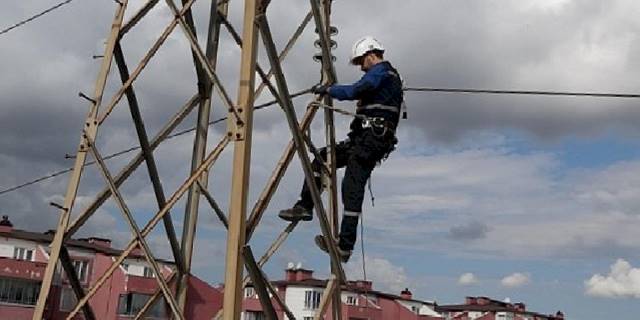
320,89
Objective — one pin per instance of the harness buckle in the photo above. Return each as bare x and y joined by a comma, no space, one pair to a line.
378,125
376,122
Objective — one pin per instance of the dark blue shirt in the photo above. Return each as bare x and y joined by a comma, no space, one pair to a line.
381,84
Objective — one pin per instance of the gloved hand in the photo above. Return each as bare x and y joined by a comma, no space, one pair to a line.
320,89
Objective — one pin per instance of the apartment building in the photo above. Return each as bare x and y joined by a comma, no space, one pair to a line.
302,293
484,308
23,259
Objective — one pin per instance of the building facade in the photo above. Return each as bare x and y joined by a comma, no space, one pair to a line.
302,294
23,259
24,256
484,308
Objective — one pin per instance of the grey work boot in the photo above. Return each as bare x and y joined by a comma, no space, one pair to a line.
344,255
298,212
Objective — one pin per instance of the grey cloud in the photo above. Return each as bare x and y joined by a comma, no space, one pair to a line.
507,45
452,43
471,231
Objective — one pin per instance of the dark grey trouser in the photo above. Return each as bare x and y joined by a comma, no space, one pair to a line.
359,154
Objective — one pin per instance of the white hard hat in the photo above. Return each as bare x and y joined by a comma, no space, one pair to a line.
364,46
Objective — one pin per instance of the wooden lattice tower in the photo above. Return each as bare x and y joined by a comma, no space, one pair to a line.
239,133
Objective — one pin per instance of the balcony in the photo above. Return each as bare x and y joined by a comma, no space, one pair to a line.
361,312
141,284
22,269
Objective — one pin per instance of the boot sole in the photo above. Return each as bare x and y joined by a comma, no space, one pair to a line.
293,219
319,240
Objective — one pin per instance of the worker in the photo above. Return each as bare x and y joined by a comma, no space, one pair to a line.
371,139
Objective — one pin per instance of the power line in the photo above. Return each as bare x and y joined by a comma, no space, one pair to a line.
131,149
35,16
525,92
409,89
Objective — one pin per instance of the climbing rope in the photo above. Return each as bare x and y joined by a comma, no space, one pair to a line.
340,111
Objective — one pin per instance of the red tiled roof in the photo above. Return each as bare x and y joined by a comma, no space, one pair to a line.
351,286
487,308
48,237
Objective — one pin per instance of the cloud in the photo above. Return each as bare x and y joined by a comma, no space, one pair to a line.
499,202
385,275
471,231
622,281
467,279
515,280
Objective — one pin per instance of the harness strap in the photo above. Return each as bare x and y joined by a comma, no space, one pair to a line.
377,106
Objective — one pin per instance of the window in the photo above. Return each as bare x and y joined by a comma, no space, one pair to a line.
312,299
148,272
249,292
22,254
19,291
131,303
307,318
352,300
82,269
68,299
254,315
125,266
415,309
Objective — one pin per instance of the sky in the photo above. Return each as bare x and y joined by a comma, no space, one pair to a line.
525,198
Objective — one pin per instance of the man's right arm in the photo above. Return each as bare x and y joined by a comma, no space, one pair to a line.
370,81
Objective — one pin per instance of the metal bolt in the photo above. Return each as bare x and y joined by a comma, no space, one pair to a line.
58,206
84,96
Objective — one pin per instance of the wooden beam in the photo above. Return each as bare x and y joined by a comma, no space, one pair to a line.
91,126
232,304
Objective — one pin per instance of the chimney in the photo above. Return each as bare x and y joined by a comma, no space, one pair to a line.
102,242
6,225
470,301
297,273
559,315
304,274
521,307
406,294
290,272
364,285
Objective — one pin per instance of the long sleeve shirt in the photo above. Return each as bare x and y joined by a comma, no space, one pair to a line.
380,85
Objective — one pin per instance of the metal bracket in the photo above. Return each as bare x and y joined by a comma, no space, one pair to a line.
235,126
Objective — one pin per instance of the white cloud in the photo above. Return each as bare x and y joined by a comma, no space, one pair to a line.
467,279
515,280
385,275
622,281
574,213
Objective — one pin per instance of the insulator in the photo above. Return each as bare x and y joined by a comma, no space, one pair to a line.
318,57
333,30
318,44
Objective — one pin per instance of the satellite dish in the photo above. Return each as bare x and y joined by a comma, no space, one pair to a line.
290,265
299,265
507,300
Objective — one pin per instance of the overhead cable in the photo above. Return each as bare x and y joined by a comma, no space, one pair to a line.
408,89
125,151
34,17
524,92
